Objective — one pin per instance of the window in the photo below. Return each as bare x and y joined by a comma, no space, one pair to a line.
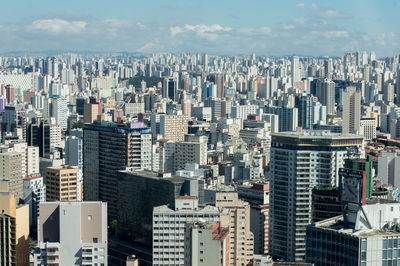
364,245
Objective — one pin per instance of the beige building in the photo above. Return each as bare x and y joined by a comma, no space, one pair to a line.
174,127
90,112
18,224
235,214
11,169
62,183
351,115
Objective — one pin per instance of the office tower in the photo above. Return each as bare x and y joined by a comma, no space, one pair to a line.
80,103
169,226
45,135
258,196
328,67
18,216
325,91
10,90
60,111
310,111
206,244
219,81
325,203
288,117
358,237
295,69
8,240
173,127
72,233
235,214
209,90
300,161
351,114
107,148
62,183
170,88
140,191
368,128
388,93
90,112
34,193
192,150
74,150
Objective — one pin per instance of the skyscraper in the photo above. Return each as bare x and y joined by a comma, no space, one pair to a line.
62,183
351,115
295,69
299,161
170,88
107,148
325,91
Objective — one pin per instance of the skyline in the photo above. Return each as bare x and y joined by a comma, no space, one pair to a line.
306,28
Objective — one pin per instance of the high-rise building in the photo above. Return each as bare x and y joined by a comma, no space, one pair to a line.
368,128
34,193
170,88
295,69
10,90
74,151
325,91
351,114
192,150
72,233
107,148
60,111
206,244
90,112
235,215
258,196
8,239
140,191
45,135
11,170
62,183
300,161
17,217
364,235
173,127
169,226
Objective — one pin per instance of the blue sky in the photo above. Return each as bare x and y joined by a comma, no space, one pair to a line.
266,27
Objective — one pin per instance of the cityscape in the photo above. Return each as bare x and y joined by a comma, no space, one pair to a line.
228,140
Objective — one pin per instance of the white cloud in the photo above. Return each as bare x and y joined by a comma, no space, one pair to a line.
58,26
300,20
289,27
327,13
301,5
255,31
200,29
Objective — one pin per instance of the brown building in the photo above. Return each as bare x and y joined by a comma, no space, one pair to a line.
62,183
235,215
90,112
174,127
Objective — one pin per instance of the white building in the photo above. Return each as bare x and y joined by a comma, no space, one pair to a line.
72,233
169,228
34,194
368,128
